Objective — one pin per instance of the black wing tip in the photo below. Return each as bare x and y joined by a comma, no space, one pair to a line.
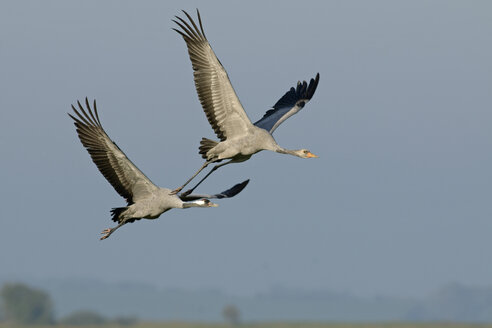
86,101
236,189
240,186
88,116
192,31
305,90
313,85
71,116
87,104
315,80
302,91
186,13
243,184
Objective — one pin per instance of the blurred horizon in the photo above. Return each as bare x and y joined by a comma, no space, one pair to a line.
106,302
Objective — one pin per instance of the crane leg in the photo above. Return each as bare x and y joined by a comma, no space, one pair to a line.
107,232
175,191
189,191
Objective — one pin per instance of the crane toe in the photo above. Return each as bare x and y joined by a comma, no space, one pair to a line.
106,233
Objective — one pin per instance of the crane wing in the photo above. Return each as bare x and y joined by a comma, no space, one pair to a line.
217,96
229,193
292,102
121,173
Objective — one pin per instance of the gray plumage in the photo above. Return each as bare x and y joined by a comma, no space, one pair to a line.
144,199
239,138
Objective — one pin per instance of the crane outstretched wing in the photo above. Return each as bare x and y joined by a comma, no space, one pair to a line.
224,111
121,173
231,192
292,102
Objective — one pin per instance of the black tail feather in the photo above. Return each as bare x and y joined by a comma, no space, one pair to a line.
115,212
205,146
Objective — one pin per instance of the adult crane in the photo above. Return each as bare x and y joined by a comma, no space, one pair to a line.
144,199
239,138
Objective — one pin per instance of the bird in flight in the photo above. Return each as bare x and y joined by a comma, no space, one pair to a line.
239,137
144,199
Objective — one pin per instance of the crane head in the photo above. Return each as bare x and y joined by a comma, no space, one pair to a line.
206,203
304,153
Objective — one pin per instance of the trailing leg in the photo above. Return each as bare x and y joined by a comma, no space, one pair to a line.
175,191
107,232
189,191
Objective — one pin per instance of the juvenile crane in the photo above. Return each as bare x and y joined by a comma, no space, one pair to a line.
144,199
239,138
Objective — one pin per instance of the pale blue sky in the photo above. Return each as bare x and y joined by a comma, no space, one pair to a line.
399,202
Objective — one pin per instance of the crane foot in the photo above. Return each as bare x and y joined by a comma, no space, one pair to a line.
106,233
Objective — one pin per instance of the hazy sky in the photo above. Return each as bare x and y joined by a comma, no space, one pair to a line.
399,202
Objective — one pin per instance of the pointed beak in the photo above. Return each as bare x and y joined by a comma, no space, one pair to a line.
311,155
213,205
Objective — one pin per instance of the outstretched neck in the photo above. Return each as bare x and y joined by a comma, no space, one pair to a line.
282,150
302,153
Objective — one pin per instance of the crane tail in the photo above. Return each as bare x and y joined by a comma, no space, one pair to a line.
205,146
116,212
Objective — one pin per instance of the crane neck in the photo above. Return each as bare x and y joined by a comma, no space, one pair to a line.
282,150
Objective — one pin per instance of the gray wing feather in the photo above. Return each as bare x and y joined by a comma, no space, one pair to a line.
217,96
120,172
291,103
231,192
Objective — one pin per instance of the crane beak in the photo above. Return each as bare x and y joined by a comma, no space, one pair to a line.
213,205
311,155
